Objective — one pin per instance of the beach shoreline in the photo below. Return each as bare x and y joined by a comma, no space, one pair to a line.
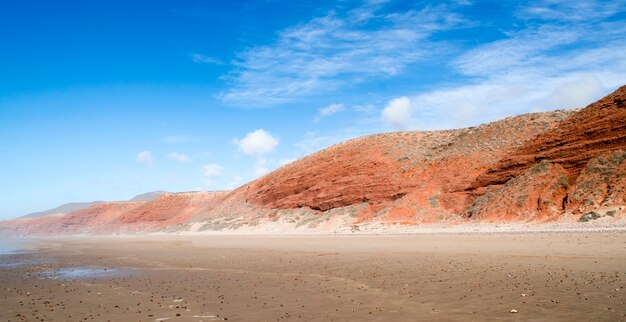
442,277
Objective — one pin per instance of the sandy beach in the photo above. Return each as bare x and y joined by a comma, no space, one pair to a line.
436,277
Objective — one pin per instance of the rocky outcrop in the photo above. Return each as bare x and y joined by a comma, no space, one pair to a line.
536,195
587,146
384,168
599,128
601,184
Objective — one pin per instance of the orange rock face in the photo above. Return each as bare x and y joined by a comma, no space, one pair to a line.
530,168
599,128
587,146
386,167
602,183
536,195
170,210
95,219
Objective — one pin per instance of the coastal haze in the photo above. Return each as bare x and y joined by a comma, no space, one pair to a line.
313,161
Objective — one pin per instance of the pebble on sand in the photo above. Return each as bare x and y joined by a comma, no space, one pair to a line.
513,311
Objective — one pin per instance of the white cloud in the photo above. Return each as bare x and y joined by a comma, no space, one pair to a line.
179,157
398,113
211,172
145,157
329,110
501,97
202,59
576,93
335,50
258,143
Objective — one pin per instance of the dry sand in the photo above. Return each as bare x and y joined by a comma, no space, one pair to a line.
479,277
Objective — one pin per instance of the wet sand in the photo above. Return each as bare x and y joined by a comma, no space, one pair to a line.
478,277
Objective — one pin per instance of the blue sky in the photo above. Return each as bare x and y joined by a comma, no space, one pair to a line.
103,100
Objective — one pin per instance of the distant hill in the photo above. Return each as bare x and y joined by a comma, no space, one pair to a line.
148,196
63,209
74,206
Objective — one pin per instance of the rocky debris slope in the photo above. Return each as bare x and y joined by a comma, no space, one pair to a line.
565,165
601,184
599,128
170,210
537,194
588,147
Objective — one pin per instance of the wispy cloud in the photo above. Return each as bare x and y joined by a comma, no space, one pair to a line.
178,157
211,172
202,59
329,110
554,61
570,10
145,157
235,182
261,167
334,51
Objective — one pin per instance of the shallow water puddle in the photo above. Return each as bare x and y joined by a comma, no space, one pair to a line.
11,247
73,273
7,261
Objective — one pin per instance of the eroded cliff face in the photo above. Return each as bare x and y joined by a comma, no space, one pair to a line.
600,184
420,168
538,194
549,192
538,167
588,147
594,130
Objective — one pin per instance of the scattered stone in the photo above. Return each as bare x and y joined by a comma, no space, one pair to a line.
592,215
